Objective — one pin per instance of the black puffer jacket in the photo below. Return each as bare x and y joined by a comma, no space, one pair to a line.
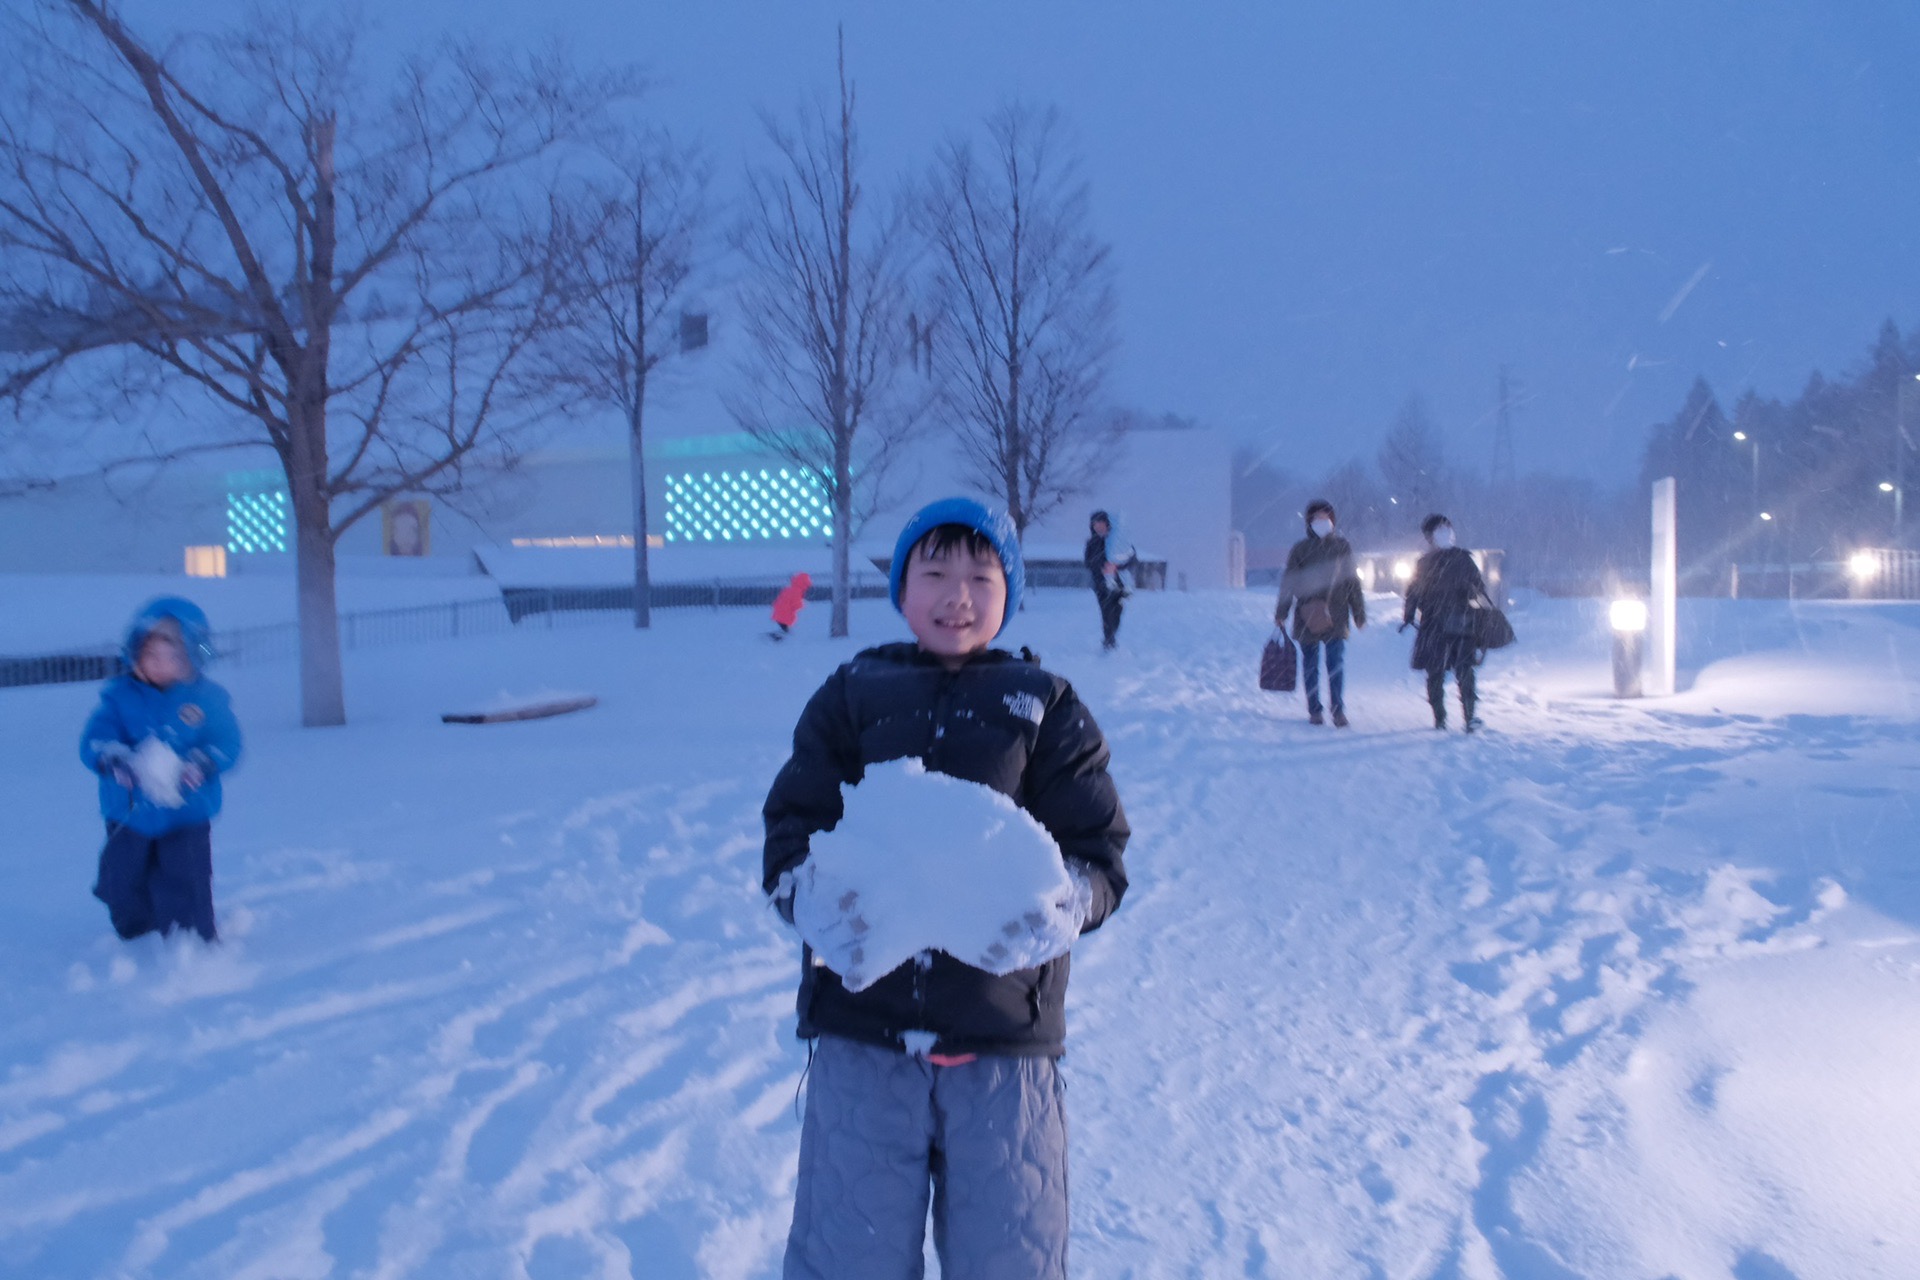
1441,596
1000,721
1322,569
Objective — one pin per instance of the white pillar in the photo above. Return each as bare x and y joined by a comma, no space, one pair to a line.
1237,560
1660,602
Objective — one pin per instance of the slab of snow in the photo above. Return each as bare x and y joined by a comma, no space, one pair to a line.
925,862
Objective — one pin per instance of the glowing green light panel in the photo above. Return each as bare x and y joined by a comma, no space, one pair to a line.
746,506
257,521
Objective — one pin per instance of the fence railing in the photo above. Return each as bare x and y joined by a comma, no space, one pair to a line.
516,607
1883,573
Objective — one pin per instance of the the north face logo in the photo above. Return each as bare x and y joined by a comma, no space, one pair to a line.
1026,706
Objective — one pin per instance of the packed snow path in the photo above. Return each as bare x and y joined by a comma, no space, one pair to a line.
1614,990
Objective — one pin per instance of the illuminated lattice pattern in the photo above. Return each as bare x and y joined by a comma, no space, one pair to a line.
257,521
743,506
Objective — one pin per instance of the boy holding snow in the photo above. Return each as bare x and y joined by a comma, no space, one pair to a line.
940,1076
160,739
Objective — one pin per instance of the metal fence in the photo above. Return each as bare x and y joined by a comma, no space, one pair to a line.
516,608
1881,573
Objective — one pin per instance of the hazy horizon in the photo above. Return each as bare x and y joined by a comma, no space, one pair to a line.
1316,213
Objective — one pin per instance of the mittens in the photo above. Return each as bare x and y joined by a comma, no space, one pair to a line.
1043,934
828,915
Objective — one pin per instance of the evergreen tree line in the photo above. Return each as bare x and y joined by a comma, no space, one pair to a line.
1804,482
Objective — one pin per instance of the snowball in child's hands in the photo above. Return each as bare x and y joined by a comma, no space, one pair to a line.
159,771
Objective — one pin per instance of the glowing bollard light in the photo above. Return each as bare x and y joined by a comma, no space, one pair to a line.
1862,568
1629,619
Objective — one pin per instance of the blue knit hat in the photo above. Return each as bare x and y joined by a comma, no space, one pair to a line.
196,637
992,525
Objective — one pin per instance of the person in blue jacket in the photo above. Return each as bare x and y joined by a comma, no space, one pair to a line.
160,740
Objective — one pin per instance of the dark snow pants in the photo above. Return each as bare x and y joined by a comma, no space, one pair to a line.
158,882
1336,672
1437,692
988,1138
1109,598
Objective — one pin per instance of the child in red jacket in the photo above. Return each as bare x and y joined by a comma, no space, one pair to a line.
787,605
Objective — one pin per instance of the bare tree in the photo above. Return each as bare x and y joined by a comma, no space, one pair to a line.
632,238
1025,293
242,216
824,309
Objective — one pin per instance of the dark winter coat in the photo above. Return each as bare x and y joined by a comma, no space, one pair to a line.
1441,597
1097,561
1322,569
1000,721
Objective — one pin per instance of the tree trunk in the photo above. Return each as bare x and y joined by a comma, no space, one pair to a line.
322,693
642,576
842,537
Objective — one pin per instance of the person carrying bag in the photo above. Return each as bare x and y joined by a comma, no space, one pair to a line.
1448,599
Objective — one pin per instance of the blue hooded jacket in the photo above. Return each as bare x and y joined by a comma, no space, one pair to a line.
193,717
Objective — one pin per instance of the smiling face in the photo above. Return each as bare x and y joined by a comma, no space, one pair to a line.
954,597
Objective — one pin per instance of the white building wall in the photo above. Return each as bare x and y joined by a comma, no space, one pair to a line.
1167,491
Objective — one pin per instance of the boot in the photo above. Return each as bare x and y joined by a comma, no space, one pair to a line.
1437,699
1467,699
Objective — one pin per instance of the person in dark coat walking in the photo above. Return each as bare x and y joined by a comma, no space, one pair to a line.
160,740
1105,571
1322,587
1445,589
941,1076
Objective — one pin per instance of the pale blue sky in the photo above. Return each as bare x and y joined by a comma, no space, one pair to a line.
1318,208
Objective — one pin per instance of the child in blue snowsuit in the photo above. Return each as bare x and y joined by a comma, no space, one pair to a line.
160,739
939,1080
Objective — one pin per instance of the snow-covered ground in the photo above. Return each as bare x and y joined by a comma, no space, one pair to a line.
1615,990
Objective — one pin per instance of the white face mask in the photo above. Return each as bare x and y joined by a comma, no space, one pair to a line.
1443,536
1322,526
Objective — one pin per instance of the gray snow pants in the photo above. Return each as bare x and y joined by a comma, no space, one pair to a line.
989,1138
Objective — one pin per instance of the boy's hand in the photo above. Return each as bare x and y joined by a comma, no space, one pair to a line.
1041,934
116,761
198,769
